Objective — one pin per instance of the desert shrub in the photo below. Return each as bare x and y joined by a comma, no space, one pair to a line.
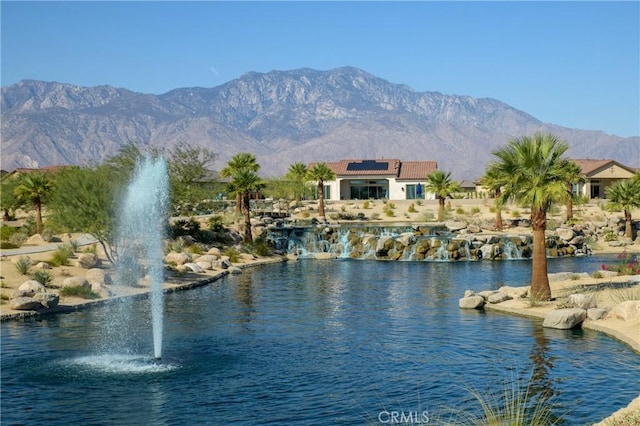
598,274
93,249
610,236
7,231
493,209
628,264
215,223
460,211
47,235
23,265
260,247
18,238
334,216
43,277
305,214
184,227
79,291
73,245
516,214
61,256
389,213
177,245
196,249
427,216
625,294
6,245
419,202
475,210
412,208
232,253
375,216
366,205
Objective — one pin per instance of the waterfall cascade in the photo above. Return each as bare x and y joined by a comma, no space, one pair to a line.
408,243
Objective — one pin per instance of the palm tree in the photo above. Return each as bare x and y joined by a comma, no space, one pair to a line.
440,183
298,173
237,164
574,175
320,172
531,171
35,188
625,196
494,183
243,183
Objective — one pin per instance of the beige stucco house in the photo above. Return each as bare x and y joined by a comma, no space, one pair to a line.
600,174
384,178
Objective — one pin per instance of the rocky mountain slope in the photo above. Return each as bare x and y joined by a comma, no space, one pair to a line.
282,117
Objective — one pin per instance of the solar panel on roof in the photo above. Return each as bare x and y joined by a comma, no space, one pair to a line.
365,165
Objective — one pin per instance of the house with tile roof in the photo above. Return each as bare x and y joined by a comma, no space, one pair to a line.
600,175
378,179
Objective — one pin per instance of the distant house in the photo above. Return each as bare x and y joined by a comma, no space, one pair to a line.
600,175
390,179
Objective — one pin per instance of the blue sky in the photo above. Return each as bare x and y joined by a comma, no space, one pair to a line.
575,64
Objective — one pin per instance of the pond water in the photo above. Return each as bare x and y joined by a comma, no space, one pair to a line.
312,343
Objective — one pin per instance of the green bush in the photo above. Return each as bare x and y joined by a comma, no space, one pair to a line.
260,247
23,265
366,205
61,256
43,277
6,245
79,291
216,223
7,231
412,208
475,210
232,253
18,238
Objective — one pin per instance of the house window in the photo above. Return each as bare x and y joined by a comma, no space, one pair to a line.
326,192
415,192
366,189
595,189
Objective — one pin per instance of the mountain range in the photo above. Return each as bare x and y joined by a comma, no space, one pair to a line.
282,117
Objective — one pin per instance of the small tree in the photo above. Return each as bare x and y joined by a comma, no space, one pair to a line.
8,200
440,183
239,163
532,171
298,174
35,188
320,172
189,173
573,176
625,196
244,183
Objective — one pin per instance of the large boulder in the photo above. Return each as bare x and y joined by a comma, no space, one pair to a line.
498,297
96,275
515,292
47,300
194,267
565,319
101,289
24,304
32,287
582,301
75,282
87,260
626,311
472,302
177,258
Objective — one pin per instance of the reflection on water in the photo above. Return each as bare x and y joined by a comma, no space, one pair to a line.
308,343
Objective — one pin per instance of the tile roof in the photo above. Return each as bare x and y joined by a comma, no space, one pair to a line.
415,170
589,166
402,170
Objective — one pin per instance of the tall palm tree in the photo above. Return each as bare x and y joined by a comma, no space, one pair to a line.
494,184
574,175
625,196
440,183
320,172
237,164
243,183
532,171
35,188
298,173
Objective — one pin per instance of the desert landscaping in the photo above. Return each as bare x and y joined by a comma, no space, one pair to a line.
88,266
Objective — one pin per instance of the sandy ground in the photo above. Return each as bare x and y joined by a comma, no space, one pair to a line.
474,211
